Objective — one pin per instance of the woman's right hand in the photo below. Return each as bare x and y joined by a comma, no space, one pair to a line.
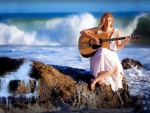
95,40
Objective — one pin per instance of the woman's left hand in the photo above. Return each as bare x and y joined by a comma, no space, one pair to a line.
127,39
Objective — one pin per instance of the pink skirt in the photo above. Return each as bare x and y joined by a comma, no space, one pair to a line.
105,60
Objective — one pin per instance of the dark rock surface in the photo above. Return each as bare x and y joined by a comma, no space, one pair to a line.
128,63
7,64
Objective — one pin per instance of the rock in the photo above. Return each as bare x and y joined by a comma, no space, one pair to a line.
71,86
130,63
3,108
20,105
7,64
13,84
2,111
51,83
19,87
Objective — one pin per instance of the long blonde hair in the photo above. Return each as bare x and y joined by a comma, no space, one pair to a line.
102,20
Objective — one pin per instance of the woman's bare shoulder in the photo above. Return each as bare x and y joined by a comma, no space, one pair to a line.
90,30
117,29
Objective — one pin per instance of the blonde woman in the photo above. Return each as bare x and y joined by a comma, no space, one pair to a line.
105,65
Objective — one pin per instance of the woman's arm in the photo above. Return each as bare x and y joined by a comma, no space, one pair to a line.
88,33
120,45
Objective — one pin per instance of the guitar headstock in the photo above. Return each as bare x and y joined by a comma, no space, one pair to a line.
136,37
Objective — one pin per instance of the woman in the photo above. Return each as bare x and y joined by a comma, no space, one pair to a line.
105,65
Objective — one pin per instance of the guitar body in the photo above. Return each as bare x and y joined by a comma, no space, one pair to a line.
85,45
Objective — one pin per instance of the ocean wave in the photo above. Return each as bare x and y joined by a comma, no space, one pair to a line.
65,31
143,29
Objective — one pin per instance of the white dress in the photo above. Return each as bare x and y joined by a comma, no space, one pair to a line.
105,60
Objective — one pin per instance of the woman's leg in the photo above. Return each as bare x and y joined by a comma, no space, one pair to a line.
101,82
101,77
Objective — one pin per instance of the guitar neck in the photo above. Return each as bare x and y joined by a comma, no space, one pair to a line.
113,39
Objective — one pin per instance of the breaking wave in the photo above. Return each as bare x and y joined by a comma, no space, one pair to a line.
63,31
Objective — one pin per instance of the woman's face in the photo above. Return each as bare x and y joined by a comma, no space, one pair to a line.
108,22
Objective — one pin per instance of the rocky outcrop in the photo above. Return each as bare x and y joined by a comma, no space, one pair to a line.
130,63
64,87
7,64
71,86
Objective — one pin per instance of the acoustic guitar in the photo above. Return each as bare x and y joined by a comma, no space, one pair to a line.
87,48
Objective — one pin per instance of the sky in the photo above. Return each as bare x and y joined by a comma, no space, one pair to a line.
44,6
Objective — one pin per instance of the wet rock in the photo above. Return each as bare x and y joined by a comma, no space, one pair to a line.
3,108
32,85
7,64
20,105
129,63
51,83
13,84
2,111
20,87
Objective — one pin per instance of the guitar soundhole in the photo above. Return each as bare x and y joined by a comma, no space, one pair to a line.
94,46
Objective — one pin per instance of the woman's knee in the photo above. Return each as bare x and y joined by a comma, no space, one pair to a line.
115,68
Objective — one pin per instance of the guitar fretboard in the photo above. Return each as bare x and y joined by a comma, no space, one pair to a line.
113,39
